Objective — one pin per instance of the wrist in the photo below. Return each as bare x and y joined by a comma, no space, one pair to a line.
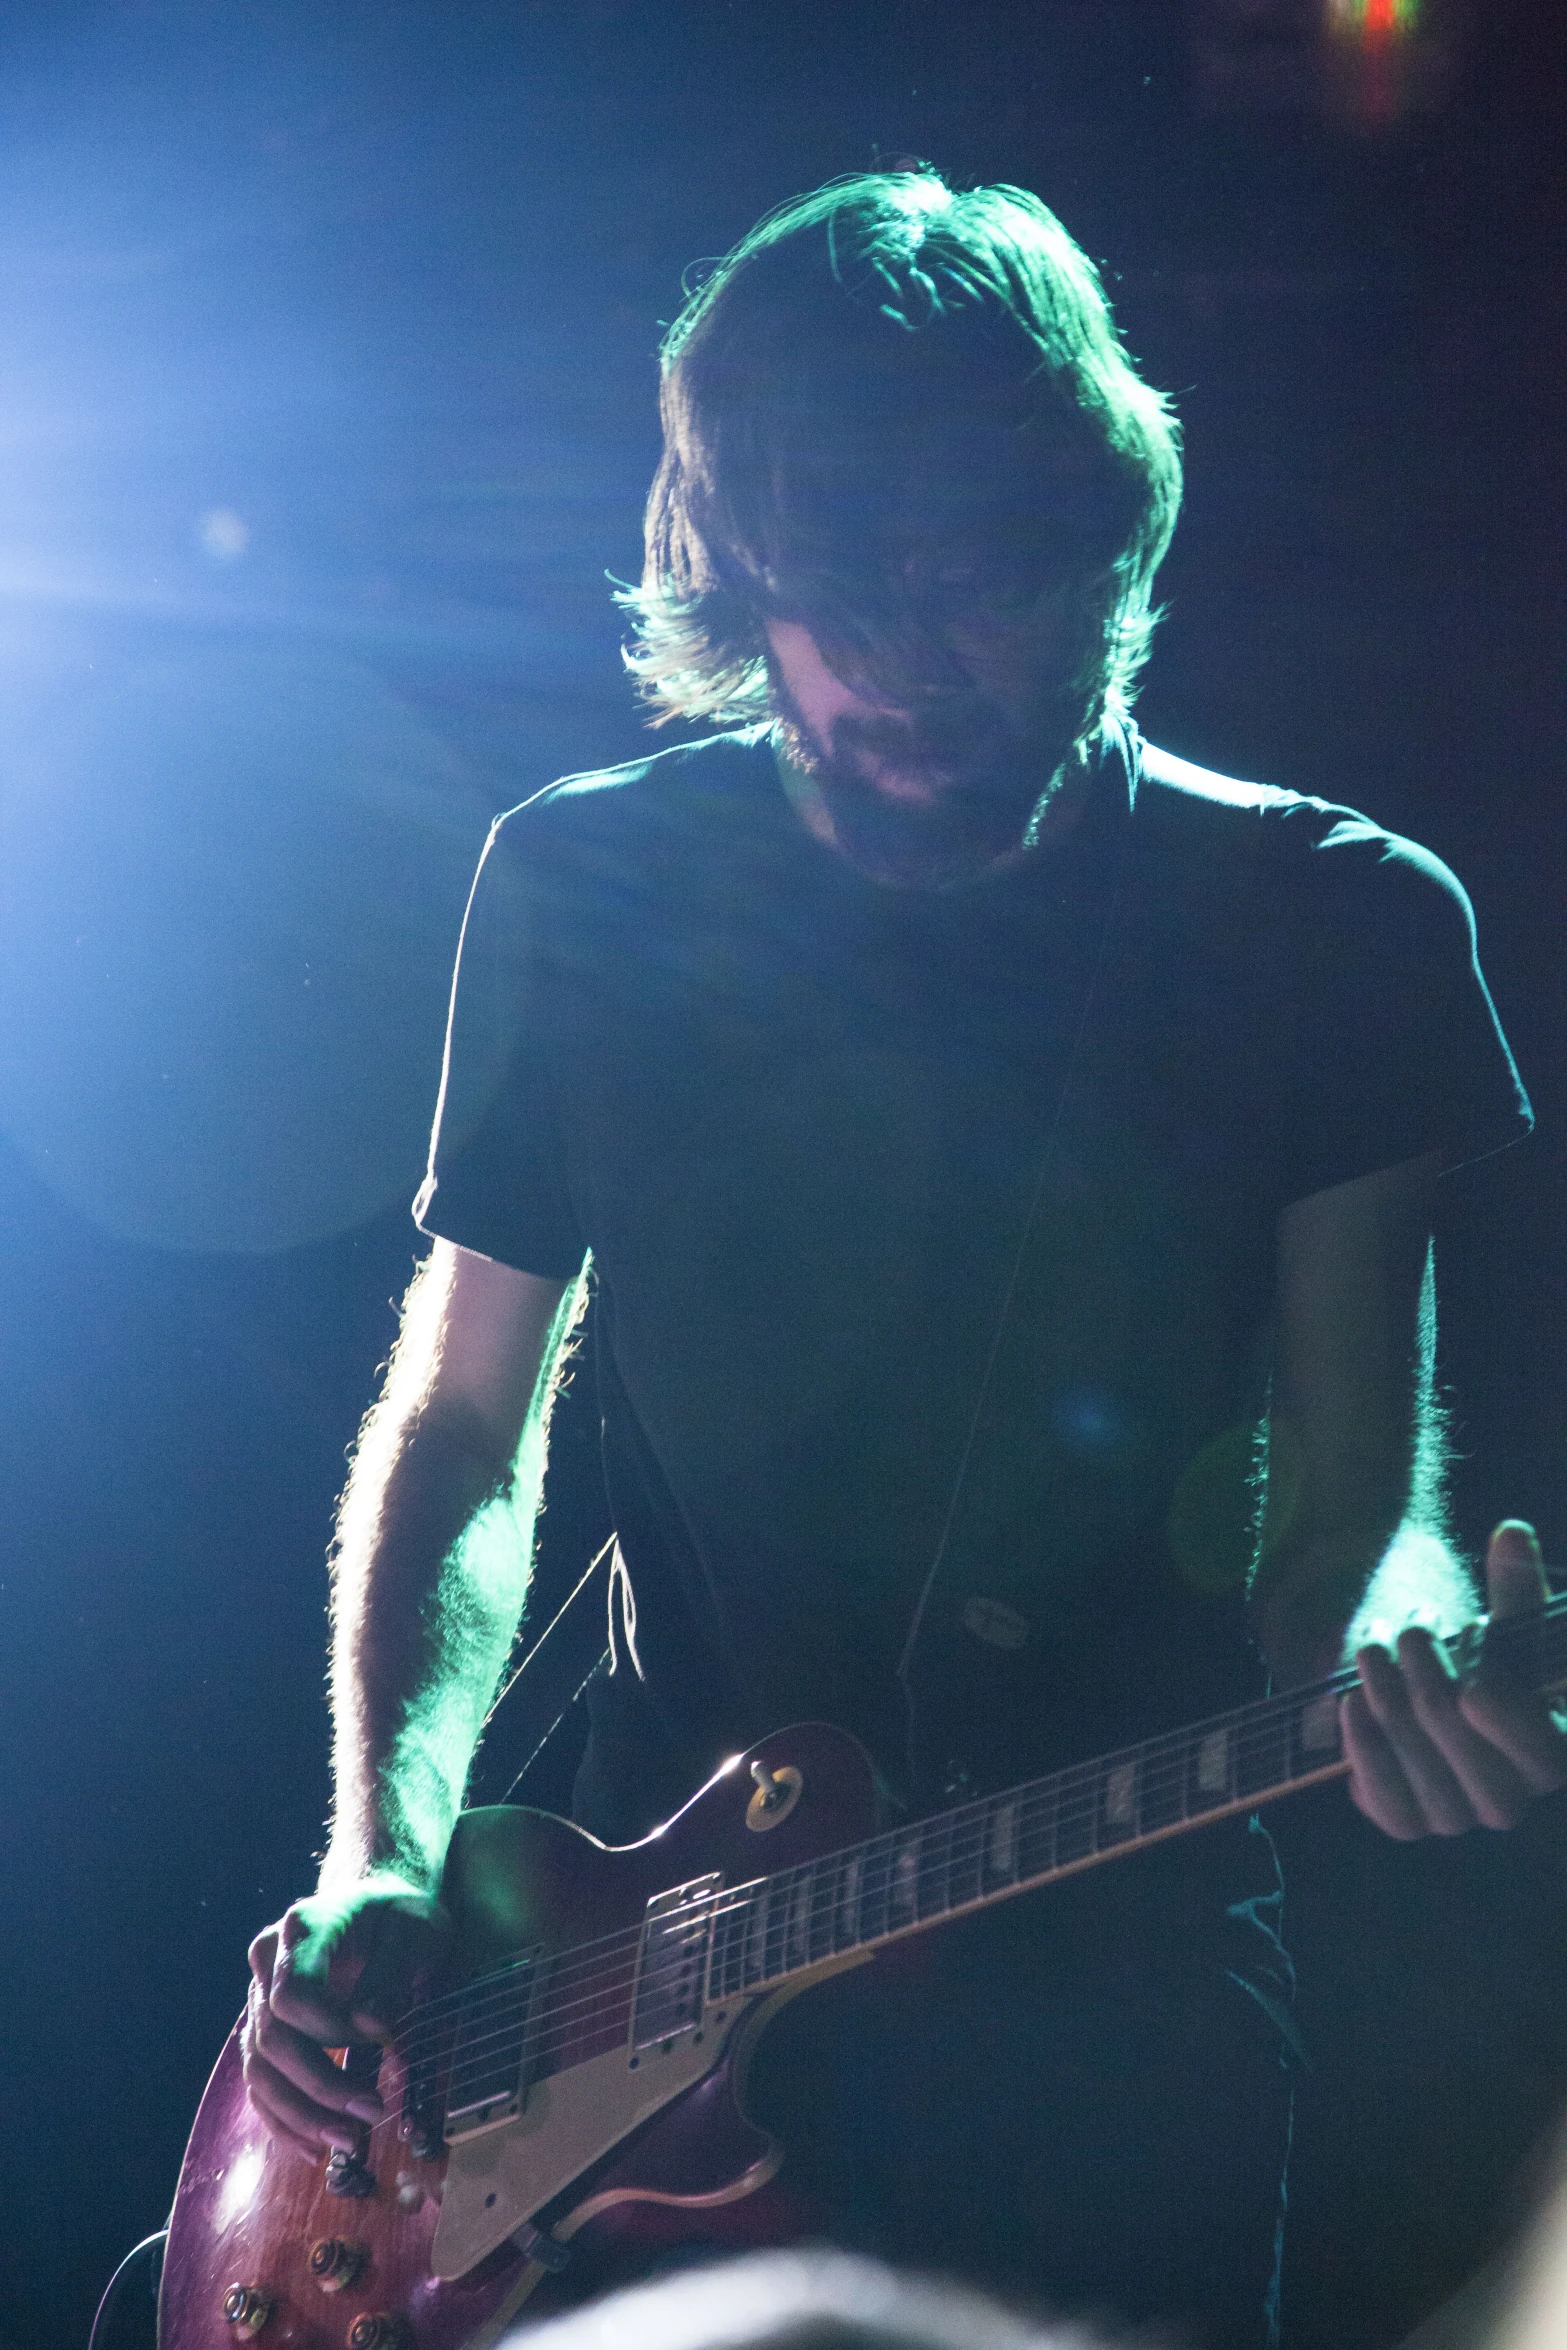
386,1850
394,1817
348,1869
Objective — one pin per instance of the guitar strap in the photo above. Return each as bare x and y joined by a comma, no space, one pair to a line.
555,1673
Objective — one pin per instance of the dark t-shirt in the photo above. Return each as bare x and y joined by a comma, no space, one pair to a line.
799,1119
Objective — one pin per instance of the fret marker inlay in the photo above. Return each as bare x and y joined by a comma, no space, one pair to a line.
1121,1794
1213,1763
1003,1842
1319,1726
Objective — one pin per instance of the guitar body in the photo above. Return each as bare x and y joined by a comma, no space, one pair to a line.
613,2155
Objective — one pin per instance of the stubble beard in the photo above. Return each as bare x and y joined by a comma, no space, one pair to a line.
982,786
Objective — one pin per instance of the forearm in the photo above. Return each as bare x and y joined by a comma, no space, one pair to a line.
1354,1521
426,1601
430,1571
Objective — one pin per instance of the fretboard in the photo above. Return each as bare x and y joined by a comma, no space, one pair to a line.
957,1861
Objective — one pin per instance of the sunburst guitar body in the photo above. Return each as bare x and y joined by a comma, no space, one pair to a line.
568,2108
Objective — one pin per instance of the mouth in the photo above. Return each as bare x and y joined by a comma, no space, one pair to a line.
916,782
916,766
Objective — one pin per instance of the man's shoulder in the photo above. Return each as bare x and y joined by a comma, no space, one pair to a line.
1182,801
686,787
1229,835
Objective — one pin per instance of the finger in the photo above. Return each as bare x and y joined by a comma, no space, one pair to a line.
1484,1773
308,2149
300,1990
293,2113
262,1953
1377,1786
304,2063
1442,1803
1524,1728
305,2003
1514,1570
279,2055
408,1942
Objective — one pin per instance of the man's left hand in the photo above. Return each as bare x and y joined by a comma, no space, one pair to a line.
1432,1755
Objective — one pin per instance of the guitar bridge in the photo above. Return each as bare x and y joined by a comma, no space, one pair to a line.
491,2060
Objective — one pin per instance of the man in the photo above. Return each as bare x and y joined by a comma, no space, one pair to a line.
978,1120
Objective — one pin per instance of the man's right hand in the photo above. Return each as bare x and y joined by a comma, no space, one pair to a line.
335,1968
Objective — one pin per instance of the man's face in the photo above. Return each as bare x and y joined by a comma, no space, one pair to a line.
931,796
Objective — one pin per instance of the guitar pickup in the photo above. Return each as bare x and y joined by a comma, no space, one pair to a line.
490,2064
677,1928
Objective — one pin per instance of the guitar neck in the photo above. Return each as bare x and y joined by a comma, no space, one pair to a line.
988,1850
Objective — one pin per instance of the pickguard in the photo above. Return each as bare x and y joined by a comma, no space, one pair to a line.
499,2179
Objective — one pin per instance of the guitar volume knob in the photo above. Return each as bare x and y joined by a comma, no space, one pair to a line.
376,2330
334,2264
246,2309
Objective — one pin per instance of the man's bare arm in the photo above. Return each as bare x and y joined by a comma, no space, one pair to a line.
1353,1484
433,1552
1354,1560
430,1570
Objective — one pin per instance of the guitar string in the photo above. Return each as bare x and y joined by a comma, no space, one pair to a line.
780,1927
798,1916
789,1941
1077,1778
1253,1724
969,1829
1164,1762
804,1912
782,1933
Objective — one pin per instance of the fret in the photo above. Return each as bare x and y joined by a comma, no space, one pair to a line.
1075,1807
1117,1809
877,1897
1162,1784
822,1907
848,1930
775,1942
797,1919
1001,1842
754,1964
966,1874
903,1885
933,1876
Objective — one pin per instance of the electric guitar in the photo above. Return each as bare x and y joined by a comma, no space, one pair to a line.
576,2096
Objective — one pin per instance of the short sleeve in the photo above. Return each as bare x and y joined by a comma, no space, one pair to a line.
496,1178
1391,1047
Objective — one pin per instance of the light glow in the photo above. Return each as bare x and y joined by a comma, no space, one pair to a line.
242,2183
1373,23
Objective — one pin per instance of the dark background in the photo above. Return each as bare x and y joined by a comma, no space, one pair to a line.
326,402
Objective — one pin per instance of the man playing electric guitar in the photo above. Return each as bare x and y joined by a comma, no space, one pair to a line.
982,1127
